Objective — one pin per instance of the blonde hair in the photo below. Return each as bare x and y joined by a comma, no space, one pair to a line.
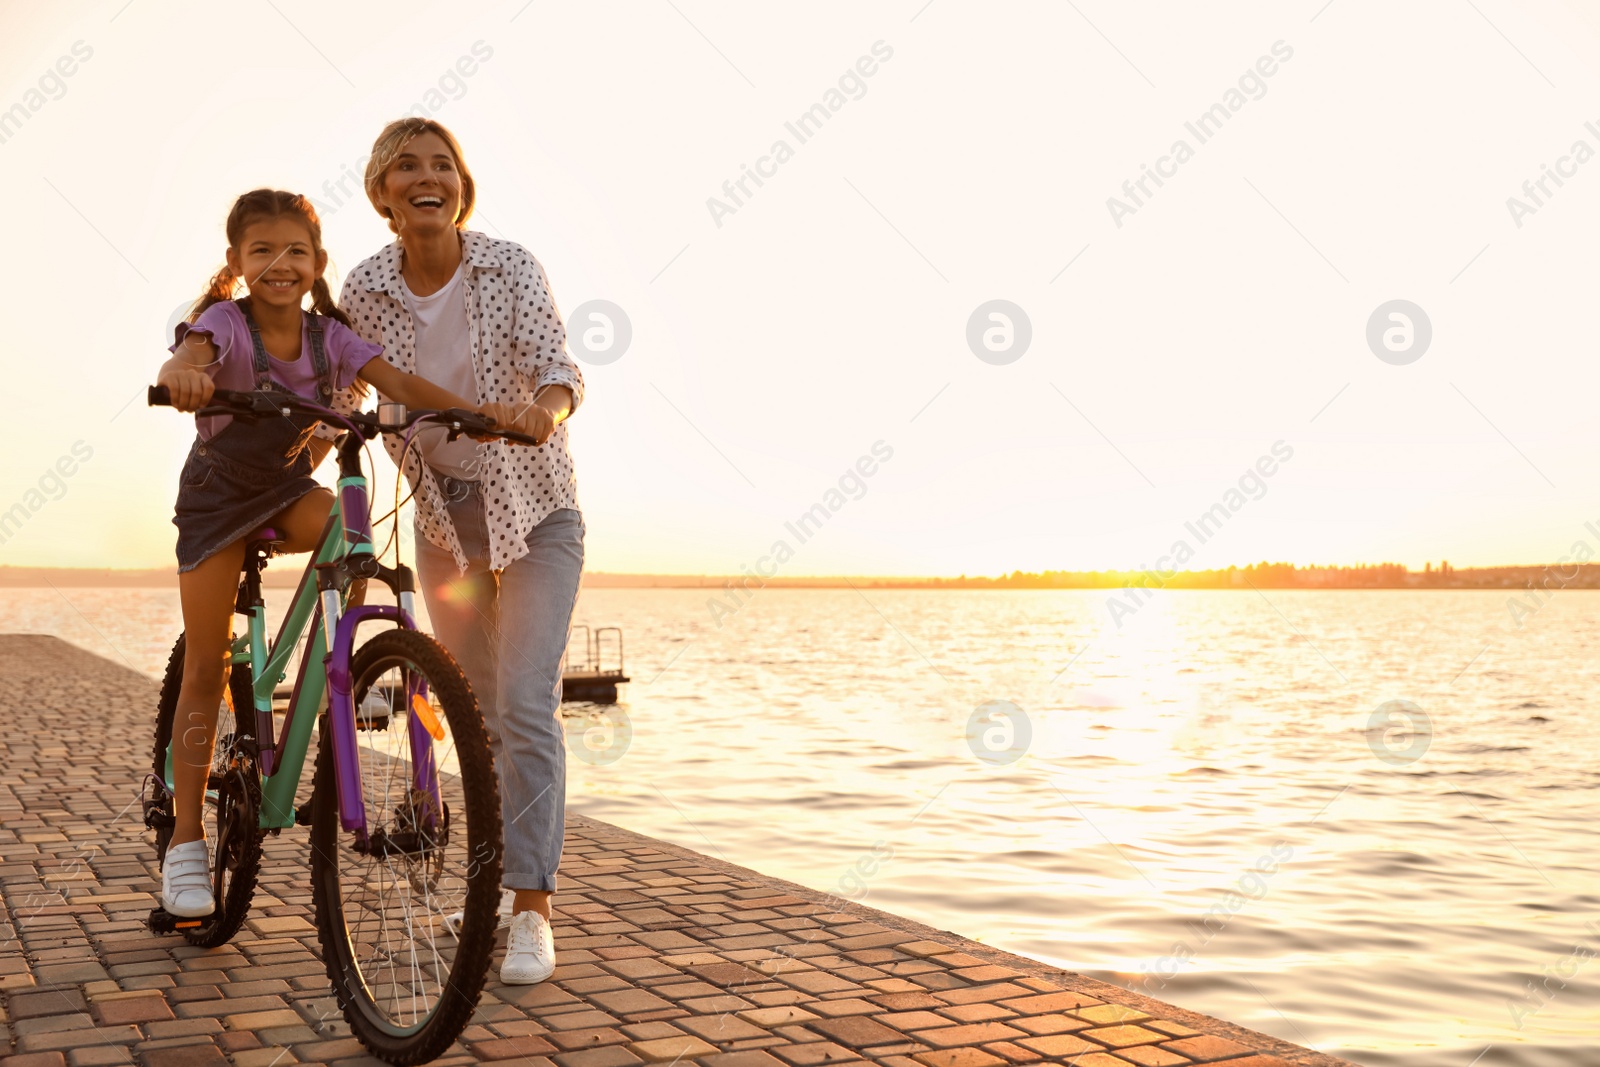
387,148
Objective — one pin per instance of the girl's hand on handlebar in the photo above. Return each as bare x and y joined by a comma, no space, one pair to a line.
190,389
530,419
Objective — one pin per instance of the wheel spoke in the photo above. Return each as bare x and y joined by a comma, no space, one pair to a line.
405,986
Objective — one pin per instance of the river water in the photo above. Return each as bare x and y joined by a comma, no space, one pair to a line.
1360,821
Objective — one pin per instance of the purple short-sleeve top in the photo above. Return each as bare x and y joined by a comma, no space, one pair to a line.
225,324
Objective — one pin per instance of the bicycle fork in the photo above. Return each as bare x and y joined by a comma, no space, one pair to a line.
339,630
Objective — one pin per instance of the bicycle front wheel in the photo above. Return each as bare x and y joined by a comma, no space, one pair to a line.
431,847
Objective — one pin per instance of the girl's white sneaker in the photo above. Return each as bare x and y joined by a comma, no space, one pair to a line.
186,880
453,921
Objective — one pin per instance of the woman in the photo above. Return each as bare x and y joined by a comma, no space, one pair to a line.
499,538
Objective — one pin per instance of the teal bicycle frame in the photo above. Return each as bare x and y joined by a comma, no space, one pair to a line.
344,553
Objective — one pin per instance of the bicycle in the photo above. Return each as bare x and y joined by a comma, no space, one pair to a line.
405,804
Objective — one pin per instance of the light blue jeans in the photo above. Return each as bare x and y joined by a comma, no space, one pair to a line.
508,633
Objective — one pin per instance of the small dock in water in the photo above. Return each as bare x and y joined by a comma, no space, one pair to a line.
592,668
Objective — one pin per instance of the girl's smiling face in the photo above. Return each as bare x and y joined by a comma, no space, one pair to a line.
422,187
277,260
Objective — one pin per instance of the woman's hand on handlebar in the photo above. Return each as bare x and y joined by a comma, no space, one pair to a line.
190,389
530,419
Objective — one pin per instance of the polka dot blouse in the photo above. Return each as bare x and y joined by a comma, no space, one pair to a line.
518,348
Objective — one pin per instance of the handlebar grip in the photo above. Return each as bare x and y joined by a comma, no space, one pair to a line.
472,422
520,438
159,396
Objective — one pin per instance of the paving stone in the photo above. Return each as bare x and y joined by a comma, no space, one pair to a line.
716,1005
507,1048
912,1020
671,1049
263,1057
776,1016
589,1037
59,1040
990,994
609,1056
54,1024
577,1020
977,1012
260,1020
678,990
907,1001
222,1007
642,967
813,1053
651,1031
183,1028
70,973
629,1001
1152,1056
718,1029
185,993
727,974
1059,1045
1048,1024
857,1031
1118,1036
749,1058
959,1057
969,1034
148,1009
344,1048
1204,1047
817,982
286,1035
54,1002
1045,1002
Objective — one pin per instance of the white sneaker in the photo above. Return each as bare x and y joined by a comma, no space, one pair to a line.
186,880
530,950
453,921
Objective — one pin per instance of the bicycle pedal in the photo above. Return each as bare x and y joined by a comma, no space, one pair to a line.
376,722
162,921
155,817
302,814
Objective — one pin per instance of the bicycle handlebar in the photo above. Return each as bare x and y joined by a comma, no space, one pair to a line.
260,404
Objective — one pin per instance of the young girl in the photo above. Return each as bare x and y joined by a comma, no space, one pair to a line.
240,476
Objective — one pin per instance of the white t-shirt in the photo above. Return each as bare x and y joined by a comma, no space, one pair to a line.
444,357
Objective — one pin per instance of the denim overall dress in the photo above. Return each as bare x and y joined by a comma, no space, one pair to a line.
248,471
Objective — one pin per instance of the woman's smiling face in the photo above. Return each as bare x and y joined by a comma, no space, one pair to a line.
277,260
422,187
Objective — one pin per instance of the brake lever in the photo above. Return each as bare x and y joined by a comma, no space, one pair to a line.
463,421
261,407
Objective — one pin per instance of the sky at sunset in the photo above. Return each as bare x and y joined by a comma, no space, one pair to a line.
949,266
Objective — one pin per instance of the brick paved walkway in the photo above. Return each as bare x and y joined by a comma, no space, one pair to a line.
666,955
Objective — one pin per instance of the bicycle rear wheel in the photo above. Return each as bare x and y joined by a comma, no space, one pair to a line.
405,985
232,802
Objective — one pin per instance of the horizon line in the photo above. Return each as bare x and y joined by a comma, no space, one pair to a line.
15,576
